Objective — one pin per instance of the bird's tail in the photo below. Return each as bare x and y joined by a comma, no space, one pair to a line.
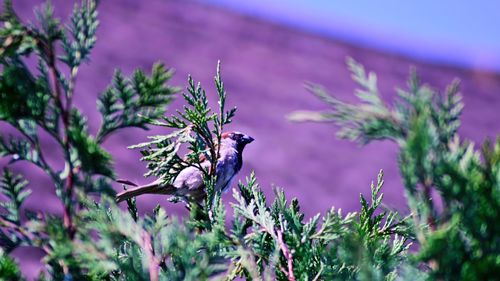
153,188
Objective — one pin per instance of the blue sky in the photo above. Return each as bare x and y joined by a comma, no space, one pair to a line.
464,33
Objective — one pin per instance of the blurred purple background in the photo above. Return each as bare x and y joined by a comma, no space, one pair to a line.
265,60
423,29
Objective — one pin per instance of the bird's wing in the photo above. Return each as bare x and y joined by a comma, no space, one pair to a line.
152,188
188,179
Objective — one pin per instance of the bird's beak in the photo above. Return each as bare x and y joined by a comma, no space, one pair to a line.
248,139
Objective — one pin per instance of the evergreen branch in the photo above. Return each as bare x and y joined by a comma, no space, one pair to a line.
28,130
15,38
13,233
370,120
196,127
22,236
135,101
13,187
21,149
82,29
57,94
52,33
100,241
154,262
432,157
91,157
288,255
9,270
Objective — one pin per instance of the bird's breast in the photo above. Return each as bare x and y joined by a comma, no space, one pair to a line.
227,167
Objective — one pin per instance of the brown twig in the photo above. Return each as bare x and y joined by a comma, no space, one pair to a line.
288,255
24,232
65,111
154,262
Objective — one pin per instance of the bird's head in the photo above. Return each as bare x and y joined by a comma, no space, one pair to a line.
236,139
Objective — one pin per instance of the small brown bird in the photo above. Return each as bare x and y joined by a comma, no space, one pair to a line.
188,184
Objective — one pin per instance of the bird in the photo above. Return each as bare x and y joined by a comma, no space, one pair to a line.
189,184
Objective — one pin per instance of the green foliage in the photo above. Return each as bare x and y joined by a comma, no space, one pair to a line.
132,102
91,157
470,188
130,250
13,187
82,29
197,128
9,271
263,242
95,239
15,38
40,99
23,96
462,241
357,246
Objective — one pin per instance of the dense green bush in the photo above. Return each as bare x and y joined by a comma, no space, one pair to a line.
97,240
462,242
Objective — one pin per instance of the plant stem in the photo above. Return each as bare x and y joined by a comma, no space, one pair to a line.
154,262
288,255
428,200
65,111
25,233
